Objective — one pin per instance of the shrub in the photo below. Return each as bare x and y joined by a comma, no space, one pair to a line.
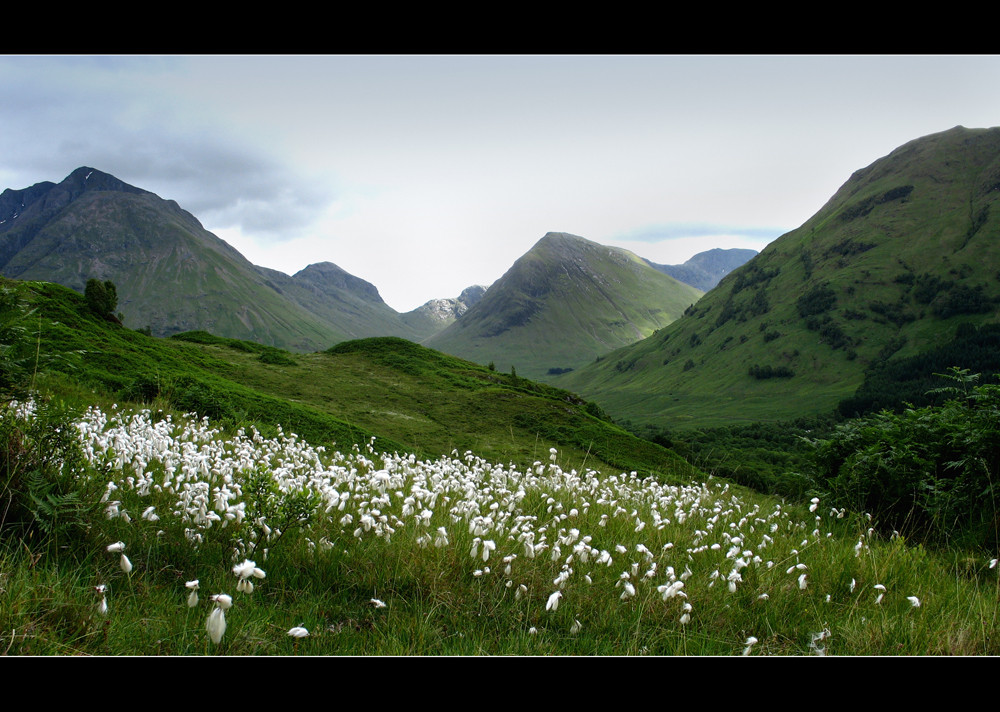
926,472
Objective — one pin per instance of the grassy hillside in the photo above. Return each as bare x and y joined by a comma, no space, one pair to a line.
412,398
566,301
901,256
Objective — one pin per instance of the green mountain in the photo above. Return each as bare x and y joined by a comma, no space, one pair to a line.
563,303
898,259
706,269
173,275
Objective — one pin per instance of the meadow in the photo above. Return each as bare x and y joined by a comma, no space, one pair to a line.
151,532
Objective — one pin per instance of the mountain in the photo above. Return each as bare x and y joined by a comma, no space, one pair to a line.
704,270
436,314
173,275
563,303
903,254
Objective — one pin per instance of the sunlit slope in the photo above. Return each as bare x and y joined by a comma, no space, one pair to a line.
563,303
902,254
411,398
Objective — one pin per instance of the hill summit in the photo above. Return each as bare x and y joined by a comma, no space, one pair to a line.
564,302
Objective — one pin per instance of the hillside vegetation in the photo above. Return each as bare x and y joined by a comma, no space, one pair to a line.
898,259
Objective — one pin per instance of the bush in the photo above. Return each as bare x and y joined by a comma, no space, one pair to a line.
926,472
102,297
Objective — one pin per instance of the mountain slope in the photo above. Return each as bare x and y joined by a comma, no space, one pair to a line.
564,302
172,274
897,259
704,270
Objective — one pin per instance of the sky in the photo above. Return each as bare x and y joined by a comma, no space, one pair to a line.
425,174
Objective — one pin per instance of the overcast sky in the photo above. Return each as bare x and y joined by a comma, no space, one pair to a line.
427,174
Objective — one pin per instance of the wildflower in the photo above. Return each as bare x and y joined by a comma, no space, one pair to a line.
298,632
553,603
193,597
441,540
552,454
216,623
751,641
126,564
815,504
377,603
853,584
802,582
116,548
247,569
102,606
575,628
488,546
532,630
914,601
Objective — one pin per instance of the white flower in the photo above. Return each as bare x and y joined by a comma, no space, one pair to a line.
751,641
377,603
223,601
193,598
441,540
575,628
247,569
802,582
116,548
914,601
216,624
126,564
298,632
553,603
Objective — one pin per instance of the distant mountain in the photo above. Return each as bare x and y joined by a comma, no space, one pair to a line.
564,302
902,255
435,315
172,274
704,270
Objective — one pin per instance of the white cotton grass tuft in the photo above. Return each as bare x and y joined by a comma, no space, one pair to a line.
553,603
216,623
377,603
914,601
192,600
125,564
751,641
298,632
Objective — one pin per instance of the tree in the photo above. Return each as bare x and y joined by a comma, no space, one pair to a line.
102,297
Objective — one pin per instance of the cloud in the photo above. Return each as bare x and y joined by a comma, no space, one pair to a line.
677,231
58,114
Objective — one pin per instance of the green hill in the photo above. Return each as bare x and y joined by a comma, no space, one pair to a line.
564,302
411,398
900,257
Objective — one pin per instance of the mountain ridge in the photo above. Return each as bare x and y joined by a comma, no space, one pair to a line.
900,256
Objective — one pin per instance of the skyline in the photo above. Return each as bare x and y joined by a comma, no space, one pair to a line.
425,174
